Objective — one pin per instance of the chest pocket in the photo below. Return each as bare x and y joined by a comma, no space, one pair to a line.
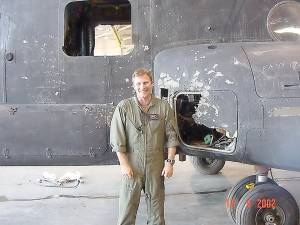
133,133
156,122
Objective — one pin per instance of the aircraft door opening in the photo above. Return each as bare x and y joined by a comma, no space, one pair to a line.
209,87
205,122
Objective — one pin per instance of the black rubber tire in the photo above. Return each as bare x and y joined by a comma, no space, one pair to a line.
236,193
207,166
285,210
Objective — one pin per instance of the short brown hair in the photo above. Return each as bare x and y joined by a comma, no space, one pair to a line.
142,71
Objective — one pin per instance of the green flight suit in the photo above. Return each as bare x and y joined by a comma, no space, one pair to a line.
143,137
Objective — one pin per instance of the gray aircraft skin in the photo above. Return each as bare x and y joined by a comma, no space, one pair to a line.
230,69
58,99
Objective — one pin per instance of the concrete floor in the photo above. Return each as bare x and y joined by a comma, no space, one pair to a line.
191,198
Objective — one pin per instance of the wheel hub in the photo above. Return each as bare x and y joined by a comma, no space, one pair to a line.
269,219
274,216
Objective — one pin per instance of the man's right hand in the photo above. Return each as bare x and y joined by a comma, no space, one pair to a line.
127,171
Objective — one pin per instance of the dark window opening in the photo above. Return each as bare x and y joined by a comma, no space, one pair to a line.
98,27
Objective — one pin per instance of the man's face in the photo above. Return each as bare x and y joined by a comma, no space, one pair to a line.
142,86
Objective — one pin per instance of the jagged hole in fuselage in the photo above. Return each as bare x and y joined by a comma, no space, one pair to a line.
195,134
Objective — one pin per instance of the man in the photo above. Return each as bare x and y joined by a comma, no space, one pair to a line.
141,127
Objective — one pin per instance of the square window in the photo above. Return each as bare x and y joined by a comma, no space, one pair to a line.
98,28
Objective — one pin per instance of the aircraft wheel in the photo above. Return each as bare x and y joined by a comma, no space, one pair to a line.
267,204
207,166
236,193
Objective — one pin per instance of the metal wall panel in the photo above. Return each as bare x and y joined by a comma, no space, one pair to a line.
49,133
276,69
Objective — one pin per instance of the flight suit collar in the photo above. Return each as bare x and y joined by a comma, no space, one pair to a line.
152,101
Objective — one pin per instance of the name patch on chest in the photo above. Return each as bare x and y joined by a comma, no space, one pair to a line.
153,116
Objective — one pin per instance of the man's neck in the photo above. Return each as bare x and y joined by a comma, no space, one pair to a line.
144,101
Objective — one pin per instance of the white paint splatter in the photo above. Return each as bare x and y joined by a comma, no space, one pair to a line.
210,72
204,94
197,73
178,68
24,77
294,65
214,67
56,93
126,80
183,74
219,74
229,82
25,42
216,110
146,48
195,83
235,61
166,81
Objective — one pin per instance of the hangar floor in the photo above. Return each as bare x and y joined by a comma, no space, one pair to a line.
191,198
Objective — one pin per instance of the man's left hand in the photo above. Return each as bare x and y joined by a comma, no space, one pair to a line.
167,171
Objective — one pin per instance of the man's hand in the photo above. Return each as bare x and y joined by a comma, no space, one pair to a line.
125,166
167,171
127,171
